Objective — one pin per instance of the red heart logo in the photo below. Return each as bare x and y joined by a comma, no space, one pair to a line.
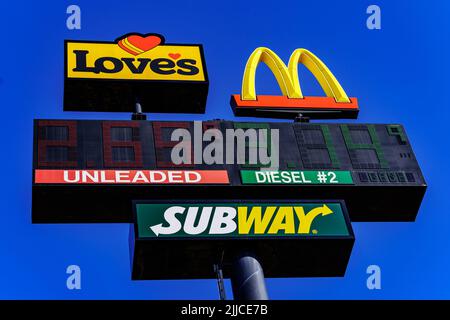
174,56
136,44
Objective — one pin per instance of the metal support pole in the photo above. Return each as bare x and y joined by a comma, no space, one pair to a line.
247,278
220,282
138,115
138,107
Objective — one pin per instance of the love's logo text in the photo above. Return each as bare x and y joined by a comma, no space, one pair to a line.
135,57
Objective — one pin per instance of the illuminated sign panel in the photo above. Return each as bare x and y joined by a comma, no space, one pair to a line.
242,219
107,164
292,103
106,61
319,231
131,176
112,76
296,177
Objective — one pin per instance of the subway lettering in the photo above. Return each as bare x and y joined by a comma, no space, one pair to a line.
239,220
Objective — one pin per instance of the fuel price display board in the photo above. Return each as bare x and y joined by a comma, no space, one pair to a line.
91,171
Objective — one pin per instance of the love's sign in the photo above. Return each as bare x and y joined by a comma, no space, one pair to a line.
112,76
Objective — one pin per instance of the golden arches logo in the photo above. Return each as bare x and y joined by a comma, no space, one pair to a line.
336,104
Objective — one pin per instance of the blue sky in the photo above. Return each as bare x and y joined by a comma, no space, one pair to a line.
398,73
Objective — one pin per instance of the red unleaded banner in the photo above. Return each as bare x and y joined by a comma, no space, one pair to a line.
131,176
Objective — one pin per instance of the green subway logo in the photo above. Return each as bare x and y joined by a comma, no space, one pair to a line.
240,220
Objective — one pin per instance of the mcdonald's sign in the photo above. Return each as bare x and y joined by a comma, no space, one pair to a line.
336,104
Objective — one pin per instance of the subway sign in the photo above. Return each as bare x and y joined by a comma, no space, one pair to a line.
243,219
113,76
105,165
318,231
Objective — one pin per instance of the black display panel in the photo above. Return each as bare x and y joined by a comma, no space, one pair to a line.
108,164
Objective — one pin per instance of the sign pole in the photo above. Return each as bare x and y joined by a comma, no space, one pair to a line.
138,115
247,278
220,284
